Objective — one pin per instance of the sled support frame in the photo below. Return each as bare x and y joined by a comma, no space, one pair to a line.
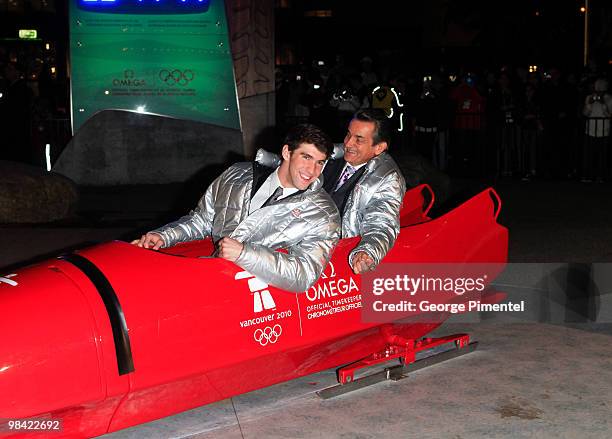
412,354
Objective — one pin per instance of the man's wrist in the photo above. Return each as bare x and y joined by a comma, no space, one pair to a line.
243,253
163,239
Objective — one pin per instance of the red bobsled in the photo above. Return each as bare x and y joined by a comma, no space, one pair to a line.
115,335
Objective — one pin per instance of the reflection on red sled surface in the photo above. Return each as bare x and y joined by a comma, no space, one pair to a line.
116,335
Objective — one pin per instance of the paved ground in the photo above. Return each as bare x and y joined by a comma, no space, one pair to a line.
548,375
557,221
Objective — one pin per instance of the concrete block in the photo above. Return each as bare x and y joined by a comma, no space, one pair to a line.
125,148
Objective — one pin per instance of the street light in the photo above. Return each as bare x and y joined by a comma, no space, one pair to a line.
586,31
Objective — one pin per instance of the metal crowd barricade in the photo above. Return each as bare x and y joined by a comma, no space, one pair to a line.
467,152
484,146
595,149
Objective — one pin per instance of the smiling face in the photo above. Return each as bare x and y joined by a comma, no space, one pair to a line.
301,166
359,144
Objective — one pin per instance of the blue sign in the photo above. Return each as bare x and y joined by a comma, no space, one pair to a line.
145,6
172,64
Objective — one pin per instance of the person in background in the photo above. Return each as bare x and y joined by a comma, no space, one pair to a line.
597,110
368,188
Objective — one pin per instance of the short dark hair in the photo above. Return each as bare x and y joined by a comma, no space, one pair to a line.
308,133
382,131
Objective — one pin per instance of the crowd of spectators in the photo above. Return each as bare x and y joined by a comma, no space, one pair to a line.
505,121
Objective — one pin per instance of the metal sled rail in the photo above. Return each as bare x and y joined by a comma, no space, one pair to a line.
396,373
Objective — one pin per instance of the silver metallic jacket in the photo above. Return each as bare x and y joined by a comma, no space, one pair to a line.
372,209
307,225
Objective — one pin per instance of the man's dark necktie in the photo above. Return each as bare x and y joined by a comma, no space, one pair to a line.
275,196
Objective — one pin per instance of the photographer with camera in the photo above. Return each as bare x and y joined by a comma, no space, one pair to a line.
597,110
345,99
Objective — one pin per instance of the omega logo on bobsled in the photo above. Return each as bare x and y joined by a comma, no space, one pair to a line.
332,271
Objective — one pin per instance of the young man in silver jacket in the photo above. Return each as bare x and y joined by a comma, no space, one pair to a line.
251,210
368,188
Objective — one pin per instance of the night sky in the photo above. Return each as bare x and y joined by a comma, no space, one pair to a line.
451,32
415,35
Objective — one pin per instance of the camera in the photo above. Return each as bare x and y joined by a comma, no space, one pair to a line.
341,95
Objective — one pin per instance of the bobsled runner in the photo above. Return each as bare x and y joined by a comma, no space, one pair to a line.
114,335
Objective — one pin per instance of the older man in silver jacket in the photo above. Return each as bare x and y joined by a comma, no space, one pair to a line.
251,210
368,188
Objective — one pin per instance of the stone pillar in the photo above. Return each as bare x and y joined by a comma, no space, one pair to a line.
251,27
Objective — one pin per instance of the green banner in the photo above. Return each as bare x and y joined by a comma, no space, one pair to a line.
165,57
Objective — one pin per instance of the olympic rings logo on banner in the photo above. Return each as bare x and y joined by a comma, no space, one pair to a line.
176,76
268,335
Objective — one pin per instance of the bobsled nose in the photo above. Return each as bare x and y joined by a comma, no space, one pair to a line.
50,343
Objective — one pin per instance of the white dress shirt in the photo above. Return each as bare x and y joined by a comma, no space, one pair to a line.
267,189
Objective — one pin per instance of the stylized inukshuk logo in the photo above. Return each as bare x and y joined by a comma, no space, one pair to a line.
262,299
7,280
